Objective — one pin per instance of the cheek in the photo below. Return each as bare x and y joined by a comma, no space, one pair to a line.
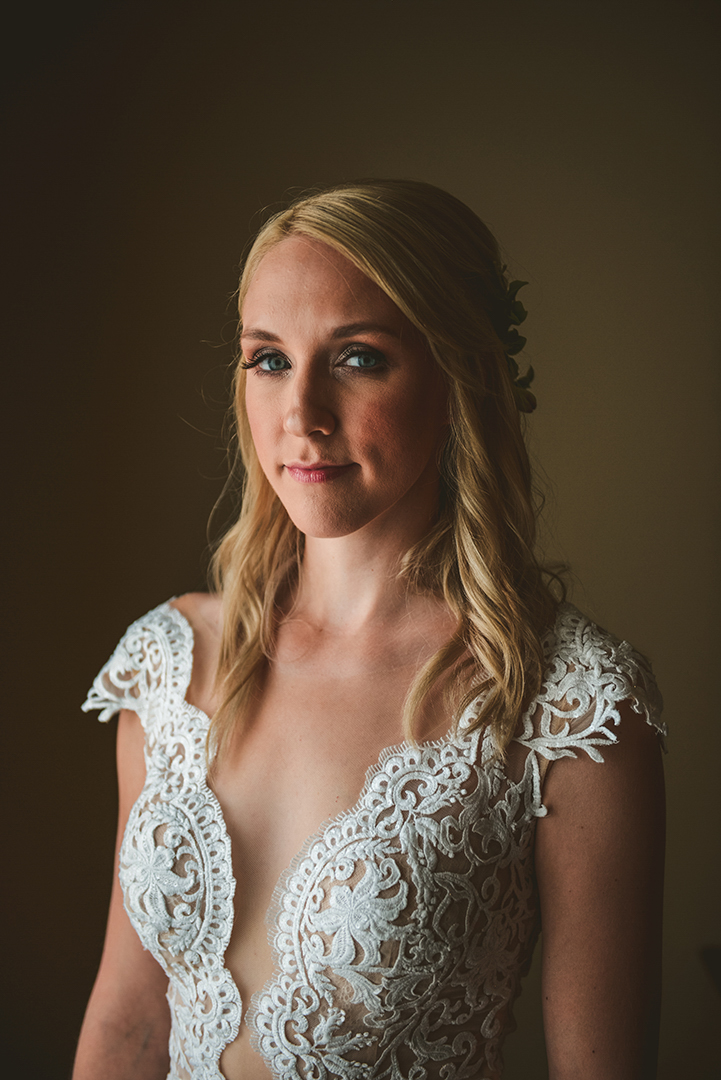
400,435
256,409
412,419
378,426
262,424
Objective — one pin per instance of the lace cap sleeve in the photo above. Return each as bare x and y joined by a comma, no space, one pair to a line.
589,674
150,667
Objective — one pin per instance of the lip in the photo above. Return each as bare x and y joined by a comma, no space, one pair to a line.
318,473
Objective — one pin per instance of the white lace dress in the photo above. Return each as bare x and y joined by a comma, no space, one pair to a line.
402,929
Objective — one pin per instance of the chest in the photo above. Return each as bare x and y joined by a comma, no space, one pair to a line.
325,709
430,866
300,758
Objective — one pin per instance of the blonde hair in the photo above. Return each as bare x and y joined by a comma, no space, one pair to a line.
442,267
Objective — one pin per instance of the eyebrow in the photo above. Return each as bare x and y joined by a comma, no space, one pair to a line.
349,330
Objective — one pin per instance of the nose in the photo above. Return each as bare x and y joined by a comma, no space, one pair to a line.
310,408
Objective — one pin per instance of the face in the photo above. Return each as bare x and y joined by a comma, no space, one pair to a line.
347,408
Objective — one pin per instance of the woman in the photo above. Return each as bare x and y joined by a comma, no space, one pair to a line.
378,607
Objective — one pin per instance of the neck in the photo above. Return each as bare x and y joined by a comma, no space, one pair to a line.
350,582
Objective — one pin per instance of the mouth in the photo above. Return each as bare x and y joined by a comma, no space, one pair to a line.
319,473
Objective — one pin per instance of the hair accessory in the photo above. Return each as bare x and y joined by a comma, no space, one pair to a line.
513,342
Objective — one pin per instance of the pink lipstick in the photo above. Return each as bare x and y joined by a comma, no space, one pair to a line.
320,473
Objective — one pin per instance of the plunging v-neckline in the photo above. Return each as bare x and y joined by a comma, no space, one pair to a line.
328,823
418,897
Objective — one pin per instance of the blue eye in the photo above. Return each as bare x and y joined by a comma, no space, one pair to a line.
362,359
269,361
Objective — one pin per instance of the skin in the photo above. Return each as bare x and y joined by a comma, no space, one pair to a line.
126,1026
347,381
599,865
370,404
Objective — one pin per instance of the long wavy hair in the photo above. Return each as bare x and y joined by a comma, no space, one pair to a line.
442,267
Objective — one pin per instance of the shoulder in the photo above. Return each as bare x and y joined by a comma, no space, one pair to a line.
599,856
203,611
593,680
152,661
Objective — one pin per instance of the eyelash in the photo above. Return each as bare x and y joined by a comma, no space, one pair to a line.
353,350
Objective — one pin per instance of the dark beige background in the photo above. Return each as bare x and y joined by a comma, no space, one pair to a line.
142,139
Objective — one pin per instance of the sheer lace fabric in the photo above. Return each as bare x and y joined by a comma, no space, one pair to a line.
402,929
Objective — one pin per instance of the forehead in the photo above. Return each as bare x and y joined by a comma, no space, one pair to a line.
304,271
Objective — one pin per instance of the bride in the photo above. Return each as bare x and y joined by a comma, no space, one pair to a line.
339,829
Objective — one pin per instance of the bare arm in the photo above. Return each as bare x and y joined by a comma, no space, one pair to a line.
599,864
125,1032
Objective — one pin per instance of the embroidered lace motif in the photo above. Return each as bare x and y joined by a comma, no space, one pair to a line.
403,928
175,862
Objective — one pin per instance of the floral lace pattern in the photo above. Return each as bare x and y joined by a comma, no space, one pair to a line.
399,931
175,861
403,927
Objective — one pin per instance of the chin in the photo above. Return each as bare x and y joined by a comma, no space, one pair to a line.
326,525
328,518
325,530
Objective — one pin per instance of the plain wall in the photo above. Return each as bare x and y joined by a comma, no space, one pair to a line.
142,139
